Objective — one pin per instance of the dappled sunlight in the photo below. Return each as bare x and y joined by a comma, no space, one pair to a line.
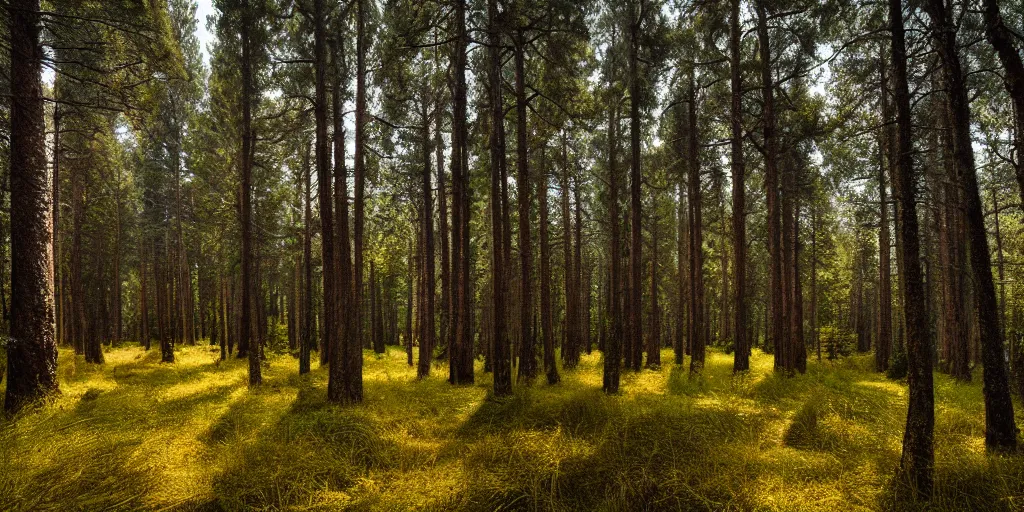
142,434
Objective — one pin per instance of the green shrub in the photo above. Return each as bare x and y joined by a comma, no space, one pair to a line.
837,342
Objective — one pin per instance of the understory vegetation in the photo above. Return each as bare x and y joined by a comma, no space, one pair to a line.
137,434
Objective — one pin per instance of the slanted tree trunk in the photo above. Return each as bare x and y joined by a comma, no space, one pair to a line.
1001,38
918,457
1000,429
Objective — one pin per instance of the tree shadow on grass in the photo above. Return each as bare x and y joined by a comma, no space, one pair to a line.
295,451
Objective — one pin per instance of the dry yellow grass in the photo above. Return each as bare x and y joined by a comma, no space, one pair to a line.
136,434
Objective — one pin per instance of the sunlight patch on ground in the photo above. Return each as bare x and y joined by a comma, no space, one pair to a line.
139,434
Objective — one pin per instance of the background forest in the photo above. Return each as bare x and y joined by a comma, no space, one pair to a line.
759,225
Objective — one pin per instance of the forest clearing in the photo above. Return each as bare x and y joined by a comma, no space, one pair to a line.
136,434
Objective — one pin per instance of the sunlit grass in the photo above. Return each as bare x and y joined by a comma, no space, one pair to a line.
138,434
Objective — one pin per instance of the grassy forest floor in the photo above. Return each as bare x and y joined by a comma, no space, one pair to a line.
137,434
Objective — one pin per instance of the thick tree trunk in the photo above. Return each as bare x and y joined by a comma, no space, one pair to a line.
31,350
918,458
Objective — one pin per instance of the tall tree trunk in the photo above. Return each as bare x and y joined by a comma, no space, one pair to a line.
248,141
1000,430
329,353
635,253
409,305
1002,278
353,343
527,356
815,339
654,337
798,350
427,340
547,322
502,359
443,231
342,247
570,350
32,358
58,296
741,343
306,336
883,345
144,298
696,248
918,458
775,291
577,274
461,352
682,261
613,345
